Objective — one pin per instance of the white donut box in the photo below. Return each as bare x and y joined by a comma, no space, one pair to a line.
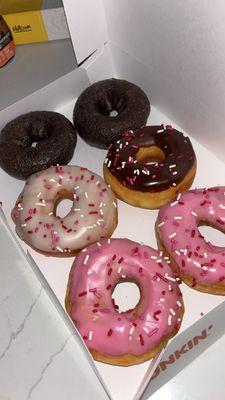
175,52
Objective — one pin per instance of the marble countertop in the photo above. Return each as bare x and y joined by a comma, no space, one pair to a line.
40,356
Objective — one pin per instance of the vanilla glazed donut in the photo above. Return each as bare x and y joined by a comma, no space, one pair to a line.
149,167
93,214
91,115
198,263
134,336
53,134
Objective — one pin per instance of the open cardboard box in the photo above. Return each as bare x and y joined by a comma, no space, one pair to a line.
172,70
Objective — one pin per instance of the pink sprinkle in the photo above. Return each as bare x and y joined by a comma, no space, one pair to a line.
55,237
48,186
104,310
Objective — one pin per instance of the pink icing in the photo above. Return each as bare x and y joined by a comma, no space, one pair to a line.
93,277
177,225
92,216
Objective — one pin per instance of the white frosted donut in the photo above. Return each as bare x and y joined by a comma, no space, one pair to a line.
93,214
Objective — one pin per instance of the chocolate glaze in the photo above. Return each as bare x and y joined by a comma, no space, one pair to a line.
153,176
55,139
91,113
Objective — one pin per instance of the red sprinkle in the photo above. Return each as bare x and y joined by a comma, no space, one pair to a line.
162,277
93,212
108,287
110,332
28,218
82,293
192,233
183,263
114,257
141,340
155,315
96,305
153,332
110,271
220,221
120,260
221,278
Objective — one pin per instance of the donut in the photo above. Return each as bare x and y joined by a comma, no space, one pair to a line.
136,335
93,214
149,167
197,262
35,141
91,114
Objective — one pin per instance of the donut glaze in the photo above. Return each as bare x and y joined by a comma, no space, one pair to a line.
55,139
93,214
92,118
134,336
179,157
199,264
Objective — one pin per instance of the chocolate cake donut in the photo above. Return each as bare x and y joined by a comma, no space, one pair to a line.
92,116
36,141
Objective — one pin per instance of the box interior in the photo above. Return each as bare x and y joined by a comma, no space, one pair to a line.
176,54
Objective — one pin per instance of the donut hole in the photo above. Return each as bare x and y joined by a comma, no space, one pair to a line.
112,105
63,207
212,235
150,155
113,113
38,131
126,296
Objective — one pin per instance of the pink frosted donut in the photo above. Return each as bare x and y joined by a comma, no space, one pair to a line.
134,336
198,263
93,214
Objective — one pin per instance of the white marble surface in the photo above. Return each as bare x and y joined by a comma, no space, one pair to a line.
36,345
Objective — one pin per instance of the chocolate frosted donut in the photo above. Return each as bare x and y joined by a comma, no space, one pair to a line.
92,118
35,141
149,167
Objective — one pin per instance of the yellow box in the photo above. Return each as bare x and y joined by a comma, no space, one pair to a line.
27,27
13,6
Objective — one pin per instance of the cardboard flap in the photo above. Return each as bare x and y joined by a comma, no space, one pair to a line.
87,25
